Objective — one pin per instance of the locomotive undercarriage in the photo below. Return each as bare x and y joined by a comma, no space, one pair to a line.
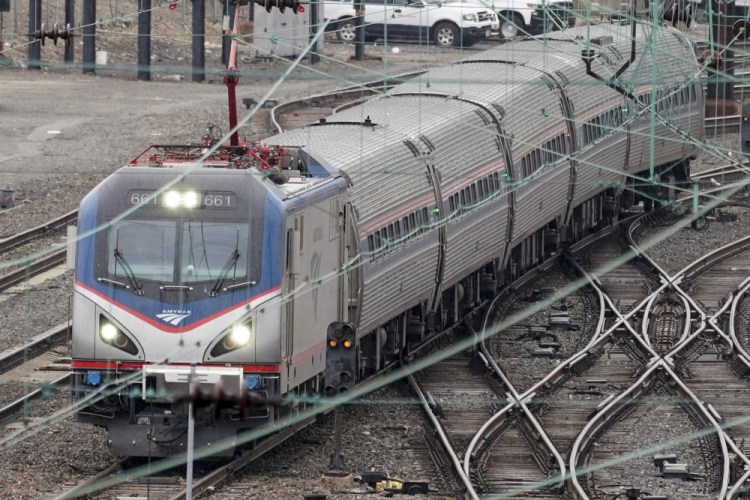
147,423
401,334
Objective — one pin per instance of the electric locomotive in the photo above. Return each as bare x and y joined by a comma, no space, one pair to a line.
246,270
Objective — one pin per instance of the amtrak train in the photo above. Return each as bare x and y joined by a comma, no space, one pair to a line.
392,218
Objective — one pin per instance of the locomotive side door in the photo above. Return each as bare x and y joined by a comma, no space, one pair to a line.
312,292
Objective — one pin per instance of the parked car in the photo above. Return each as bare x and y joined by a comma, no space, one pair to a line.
449,23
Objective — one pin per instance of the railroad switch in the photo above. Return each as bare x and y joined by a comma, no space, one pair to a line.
379,479
635,494
723,216
545,352
670,469
661,460
593,387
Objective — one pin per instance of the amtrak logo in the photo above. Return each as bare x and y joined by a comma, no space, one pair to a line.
173,317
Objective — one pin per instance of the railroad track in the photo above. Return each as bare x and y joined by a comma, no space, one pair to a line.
667,385
632,370
158,479
52,226
35,261
40,364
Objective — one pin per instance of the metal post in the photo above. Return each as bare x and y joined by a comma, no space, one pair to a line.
359,22
314,27
70,19
199,40
228,24
337,465
34,50
191,436
89,36
720,85
696,195
144,40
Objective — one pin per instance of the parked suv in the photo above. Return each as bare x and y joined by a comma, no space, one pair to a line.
450,23
534,17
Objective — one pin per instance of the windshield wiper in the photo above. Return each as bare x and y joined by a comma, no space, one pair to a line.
231,262
128,272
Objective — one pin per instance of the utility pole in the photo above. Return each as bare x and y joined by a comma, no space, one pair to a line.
199,40
314,27
359,23
144,40
720,87
70,15
89,36
34,51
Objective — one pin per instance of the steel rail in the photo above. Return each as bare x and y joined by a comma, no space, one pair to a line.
52,337
37,266
212,478
13,409
42,230
445,441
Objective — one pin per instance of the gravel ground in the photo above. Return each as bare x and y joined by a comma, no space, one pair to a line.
656,421
64,132
674,248
513,347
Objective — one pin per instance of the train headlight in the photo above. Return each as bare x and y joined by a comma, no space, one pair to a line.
176,199
236,337
240,335
108,332
111,335
190,199
745,118
172,199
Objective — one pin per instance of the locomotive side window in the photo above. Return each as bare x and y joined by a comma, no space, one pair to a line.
147,247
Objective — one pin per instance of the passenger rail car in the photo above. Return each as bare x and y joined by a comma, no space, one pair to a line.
394,217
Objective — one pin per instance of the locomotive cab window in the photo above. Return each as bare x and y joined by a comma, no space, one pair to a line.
212,248
178,250
145,247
